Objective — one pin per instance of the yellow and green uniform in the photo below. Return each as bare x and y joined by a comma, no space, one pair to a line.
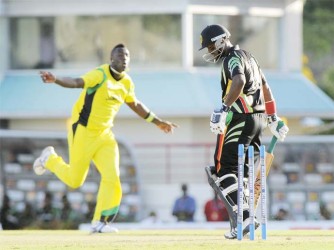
91,138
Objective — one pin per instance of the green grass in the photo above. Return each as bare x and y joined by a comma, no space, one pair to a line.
164,239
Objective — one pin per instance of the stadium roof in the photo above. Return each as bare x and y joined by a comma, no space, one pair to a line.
168,92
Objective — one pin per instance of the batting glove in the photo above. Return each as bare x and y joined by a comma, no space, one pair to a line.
277,127
218,120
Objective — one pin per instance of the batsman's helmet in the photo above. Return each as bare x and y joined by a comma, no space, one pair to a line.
212,33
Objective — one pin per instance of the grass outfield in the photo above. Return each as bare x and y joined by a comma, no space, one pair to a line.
165,239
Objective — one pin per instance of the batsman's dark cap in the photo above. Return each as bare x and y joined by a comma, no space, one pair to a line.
212,33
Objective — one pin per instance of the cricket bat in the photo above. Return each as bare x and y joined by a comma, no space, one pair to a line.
269,157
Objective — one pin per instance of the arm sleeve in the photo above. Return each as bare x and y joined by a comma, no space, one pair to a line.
131,96
92,78
235,65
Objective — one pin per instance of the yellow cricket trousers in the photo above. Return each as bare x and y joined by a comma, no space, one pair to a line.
100,147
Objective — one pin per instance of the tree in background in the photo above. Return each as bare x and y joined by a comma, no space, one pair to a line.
318,29
327,81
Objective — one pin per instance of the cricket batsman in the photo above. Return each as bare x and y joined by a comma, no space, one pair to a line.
248,106
90,138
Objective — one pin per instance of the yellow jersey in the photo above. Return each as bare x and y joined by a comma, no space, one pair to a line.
102,98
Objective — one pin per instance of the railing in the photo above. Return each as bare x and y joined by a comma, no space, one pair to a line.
173,163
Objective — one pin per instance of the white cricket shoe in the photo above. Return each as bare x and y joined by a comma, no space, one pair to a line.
233,233
39,164
103,227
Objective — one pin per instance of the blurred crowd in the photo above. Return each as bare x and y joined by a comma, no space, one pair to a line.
45,216
184,207
214,209
63,216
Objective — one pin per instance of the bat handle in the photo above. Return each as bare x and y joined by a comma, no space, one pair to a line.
274,139
272,145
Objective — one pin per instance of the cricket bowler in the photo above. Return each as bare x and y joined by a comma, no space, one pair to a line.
90,138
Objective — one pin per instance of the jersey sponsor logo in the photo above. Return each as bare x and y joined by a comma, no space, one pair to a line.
109,84
113,98
115,86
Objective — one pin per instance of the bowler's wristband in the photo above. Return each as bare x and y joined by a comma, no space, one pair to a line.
150,117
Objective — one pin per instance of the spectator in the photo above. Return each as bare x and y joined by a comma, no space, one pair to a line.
215,210
7,218
151,219
68,217
90,211
282,214
324,212
27,217
48,214
185,206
